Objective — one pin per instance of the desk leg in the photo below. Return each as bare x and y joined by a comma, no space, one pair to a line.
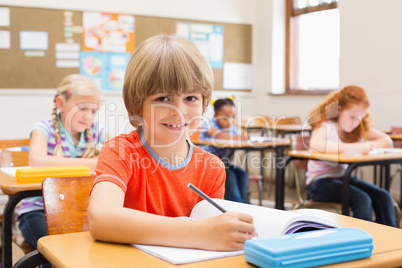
8,222
387,176
280,179
345,188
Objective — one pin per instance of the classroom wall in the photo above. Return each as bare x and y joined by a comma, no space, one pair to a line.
370,57
20,109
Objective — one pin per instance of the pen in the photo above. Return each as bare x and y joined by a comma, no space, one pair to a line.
362,127
205,197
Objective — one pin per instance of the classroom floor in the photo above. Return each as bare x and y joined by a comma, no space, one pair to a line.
268,201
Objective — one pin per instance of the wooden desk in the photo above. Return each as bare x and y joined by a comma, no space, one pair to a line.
244,145
278,129
16,191
353,162
278,144
80,249
395,137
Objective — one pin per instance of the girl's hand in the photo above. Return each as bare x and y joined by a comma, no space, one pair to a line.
366,147
228,231
245,136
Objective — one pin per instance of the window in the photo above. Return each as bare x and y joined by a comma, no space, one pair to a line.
312,46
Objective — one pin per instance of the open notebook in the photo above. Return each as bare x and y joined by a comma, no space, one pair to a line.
268,222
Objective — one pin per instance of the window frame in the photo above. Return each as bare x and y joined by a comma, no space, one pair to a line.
290,25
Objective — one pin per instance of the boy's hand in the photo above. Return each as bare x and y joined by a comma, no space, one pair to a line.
228,231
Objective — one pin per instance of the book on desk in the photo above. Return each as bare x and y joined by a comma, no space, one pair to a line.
268,223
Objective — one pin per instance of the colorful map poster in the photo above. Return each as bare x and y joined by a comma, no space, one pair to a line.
207,37
107,32
106,69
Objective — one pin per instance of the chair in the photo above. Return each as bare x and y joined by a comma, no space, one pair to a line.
13,158
10,158
258,123
294,120
258,179
66,201
299,142
398,144
14,143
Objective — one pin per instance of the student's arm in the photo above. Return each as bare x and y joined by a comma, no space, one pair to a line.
109,136
319,143
379,138
218,134
110,221
38,154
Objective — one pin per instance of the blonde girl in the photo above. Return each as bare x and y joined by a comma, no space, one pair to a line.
70,137
336,129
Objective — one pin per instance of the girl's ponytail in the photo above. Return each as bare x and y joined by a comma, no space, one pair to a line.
58,149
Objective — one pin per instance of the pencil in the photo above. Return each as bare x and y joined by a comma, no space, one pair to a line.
239,126
362,127
205,197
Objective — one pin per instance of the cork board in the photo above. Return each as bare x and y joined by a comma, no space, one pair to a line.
18,71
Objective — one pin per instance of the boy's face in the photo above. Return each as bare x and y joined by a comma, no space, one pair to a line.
167,118
225,116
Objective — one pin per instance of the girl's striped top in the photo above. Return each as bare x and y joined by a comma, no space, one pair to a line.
69,150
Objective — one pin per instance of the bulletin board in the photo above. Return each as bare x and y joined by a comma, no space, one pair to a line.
19,71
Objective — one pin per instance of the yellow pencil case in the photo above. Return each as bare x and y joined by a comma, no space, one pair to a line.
38,174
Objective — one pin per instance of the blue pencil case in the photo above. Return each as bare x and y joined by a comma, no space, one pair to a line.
309,249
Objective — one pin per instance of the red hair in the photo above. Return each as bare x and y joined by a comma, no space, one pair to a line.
342,99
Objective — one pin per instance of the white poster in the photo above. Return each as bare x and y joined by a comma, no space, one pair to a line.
237,76
34,40
5,40
4,17
207,37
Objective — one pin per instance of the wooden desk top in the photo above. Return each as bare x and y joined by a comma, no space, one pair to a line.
9,184
345,158
243,144
80,249
292,127
395,136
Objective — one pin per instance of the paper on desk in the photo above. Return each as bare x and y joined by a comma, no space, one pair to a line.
261,139
185,255
11,170
385,150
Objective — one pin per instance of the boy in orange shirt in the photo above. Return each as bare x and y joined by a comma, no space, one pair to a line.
141,187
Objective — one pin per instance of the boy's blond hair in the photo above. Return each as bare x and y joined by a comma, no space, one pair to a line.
165,64
75,85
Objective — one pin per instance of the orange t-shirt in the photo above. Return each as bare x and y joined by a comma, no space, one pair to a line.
151,184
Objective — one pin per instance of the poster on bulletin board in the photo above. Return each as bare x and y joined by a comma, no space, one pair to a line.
107,44
107,32
207,37
106,69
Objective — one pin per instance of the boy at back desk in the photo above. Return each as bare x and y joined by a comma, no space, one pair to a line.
141,187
